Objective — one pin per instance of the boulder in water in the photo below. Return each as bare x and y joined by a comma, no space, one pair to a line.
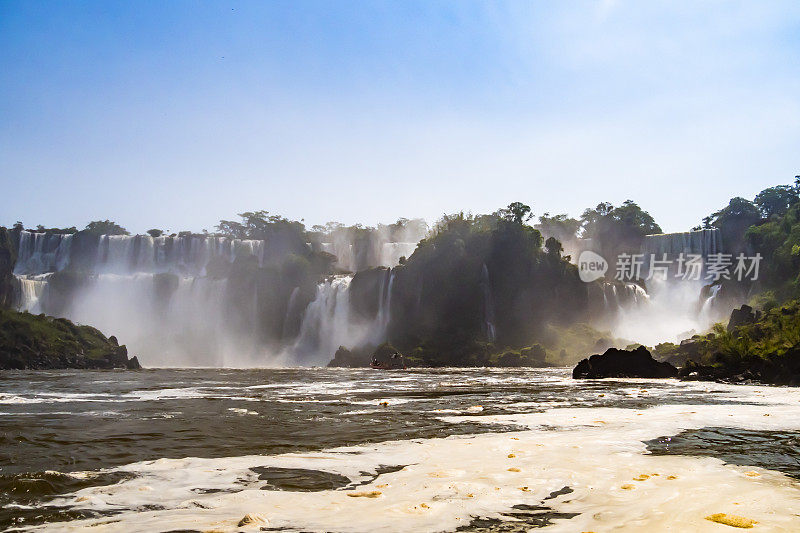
344,358
616,363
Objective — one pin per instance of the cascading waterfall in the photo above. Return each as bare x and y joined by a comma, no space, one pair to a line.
488,305
40,253
670,309
702,242
385,308
31,289
392,252
291,309
328,323
182,319
156,296
189,255
374,253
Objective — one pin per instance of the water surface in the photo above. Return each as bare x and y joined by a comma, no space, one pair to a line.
482,449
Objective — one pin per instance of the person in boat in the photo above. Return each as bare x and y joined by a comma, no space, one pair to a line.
387,358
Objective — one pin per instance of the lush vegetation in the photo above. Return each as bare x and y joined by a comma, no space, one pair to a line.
481,286
485,289
38,341
760,346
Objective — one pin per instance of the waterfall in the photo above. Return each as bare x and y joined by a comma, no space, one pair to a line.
40,253
161,297
328,323
291,309
707,308
30,290
391,252
151,293
702,242
343,250
372,253
385,305
488,305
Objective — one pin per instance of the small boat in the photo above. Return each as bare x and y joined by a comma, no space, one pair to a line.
394,361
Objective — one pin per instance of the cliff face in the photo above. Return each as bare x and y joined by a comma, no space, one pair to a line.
8,257
41,342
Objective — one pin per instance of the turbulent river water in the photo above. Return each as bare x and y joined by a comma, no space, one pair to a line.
363,451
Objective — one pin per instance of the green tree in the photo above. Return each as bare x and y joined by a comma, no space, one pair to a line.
105,227
553,247
155,233
733,221
516,212
562,227
776,201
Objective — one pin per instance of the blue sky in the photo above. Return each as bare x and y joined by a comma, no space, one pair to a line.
177,114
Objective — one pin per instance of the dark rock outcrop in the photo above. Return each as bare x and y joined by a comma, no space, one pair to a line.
39,342
387,357
8,257
367,290
775,369
742,316
616,363
344,358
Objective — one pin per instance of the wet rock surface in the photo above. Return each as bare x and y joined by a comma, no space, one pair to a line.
616,363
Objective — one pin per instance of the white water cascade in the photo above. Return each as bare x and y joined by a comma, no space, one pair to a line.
488,305
158,297
184,319
671,309
386,254
40,253
702,242
328,323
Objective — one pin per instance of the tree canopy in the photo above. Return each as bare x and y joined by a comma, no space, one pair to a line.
105,227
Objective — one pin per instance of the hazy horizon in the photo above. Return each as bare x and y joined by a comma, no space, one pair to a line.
178,115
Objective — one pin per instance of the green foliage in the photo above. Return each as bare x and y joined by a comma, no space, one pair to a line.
155,233
562,227
776,201
24,333
516,212
618,229
568,344
733,221
766,301
42,229
771,336
553,247
778,242
105,227
665,350
259,225
470,267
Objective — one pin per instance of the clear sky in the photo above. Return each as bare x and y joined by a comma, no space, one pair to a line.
176,114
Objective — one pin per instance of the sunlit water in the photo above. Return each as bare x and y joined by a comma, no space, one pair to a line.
363,451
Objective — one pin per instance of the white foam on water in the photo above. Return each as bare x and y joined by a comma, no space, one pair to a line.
597,452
